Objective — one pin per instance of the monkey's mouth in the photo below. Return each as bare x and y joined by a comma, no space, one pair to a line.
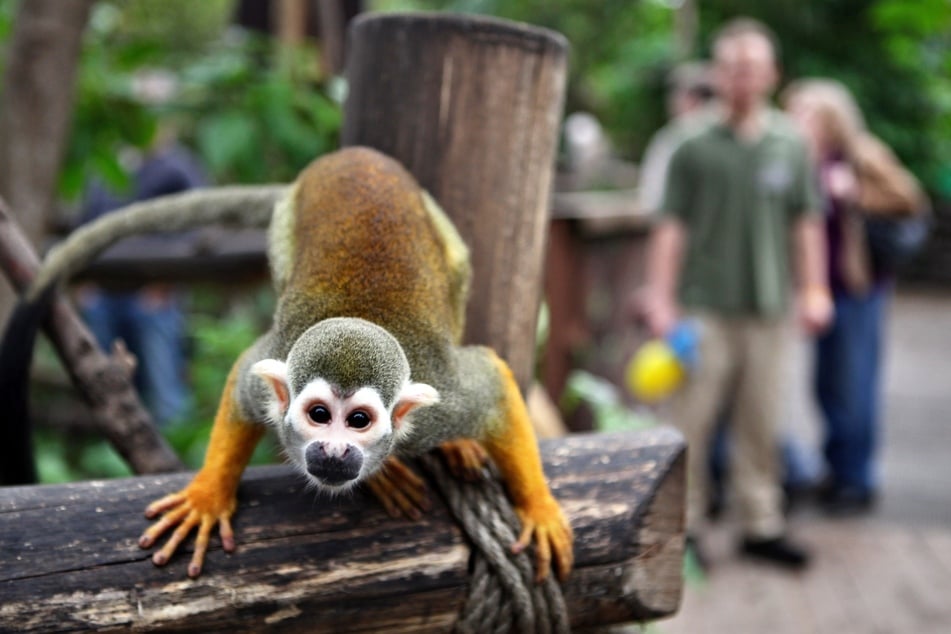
334,475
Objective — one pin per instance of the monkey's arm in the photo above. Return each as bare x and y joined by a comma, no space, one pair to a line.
512,444
210,498
399,490
402,492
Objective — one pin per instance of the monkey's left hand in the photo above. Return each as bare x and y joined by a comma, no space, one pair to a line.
543,518
399,490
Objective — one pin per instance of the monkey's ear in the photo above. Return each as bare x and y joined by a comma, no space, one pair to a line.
274,373
412,395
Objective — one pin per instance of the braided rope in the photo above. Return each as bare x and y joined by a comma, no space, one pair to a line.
503,596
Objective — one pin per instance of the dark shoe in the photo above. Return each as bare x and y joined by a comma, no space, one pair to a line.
776,550
846,501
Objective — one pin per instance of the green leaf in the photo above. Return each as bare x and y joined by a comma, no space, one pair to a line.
226,139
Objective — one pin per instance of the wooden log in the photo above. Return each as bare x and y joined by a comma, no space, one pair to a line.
471,106
70,561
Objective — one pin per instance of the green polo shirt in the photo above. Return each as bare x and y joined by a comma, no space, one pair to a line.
738,201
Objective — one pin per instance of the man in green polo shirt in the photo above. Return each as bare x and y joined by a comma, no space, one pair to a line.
738,198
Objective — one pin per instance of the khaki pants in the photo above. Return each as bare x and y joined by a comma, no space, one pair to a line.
740,364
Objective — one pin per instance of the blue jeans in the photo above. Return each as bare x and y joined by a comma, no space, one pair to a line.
155,335
847,374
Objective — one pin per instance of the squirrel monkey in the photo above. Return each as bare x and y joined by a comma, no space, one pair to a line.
363,364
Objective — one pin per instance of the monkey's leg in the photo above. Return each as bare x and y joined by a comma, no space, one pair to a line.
399,490
210,498
512,444
466,458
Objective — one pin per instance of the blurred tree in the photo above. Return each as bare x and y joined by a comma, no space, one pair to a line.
249,118
36,99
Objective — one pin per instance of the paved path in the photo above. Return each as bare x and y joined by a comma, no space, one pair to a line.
889,572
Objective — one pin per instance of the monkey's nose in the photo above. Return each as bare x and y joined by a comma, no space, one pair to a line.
330,469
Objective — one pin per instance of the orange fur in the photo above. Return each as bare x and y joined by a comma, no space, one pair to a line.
514,448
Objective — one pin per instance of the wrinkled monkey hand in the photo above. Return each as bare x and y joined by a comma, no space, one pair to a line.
543,520
202,504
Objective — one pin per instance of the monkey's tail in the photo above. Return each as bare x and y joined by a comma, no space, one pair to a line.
17,465
236,206
239,207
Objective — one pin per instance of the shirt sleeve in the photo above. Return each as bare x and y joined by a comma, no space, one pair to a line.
678,187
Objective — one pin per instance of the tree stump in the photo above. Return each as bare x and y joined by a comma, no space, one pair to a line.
471,106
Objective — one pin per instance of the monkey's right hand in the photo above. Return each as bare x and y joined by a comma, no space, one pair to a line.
202,504
399,490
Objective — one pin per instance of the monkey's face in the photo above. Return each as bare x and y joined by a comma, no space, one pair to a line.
338,438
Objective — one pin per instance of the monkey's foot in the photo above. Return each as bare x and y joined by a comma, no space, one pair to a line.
544,520
399,490
466,458
200,505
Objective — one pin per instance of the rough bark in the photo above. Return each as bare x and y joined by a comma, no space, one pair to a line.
104,381
307,564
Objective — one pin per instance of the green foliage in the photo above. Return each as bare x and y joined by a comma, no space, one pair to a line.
254,123
602,396
249,118
220,332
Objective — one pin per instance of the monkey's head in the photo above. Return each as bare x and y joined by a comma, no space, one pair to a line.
341,400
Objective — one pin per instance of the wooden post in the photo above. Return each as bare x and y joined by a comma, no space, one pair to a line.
471,106
69,559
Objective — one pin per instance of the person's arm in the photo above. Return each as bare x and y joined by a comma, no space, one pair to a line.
814,303
664,257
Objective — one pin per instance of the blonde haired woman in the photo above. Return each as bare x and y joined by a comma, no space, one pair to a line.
859,178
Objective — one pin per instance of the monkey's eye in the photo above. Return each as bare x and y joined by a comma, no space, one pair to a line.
319,414
358,420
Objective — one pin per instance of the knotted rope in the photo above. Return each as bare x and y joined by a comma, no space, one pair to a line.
503,596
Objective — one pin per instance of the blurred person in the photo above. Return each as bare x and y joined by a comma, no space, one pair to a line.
149,321
738,192
857,174
690,96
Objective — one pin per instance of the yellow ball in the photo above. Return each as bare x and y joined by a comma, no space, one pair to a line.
654,372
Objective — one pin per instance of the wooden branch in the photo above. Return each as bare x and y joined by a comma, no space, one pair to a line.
215,255
471,106
105,382
307,564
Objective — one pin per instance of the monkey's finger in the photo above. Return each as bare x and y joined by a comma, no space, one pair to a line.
404,500
542,556
381,488
157,529
398,503
160,506
161,557
398,472
226,533
525,537
563,554
201,547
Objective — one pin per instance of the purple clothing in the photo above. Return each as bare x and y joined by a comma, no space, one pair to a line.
834,212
